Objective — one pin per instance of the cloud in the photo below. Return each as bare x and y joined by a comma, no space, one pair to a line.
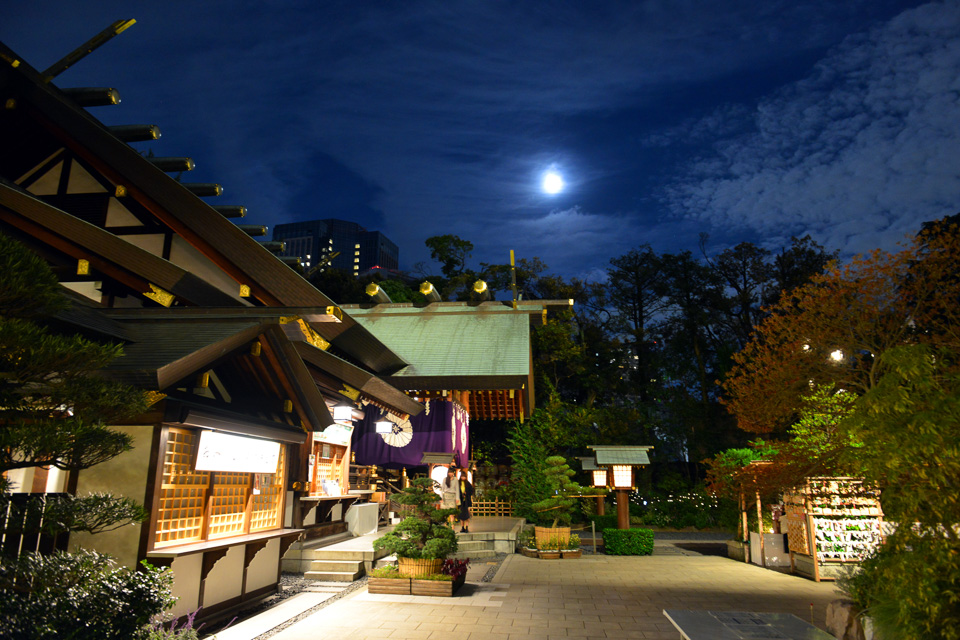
858,153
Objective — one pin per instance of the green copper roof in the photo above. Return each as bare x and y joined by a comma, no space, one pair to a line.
621,455
453,345
589,464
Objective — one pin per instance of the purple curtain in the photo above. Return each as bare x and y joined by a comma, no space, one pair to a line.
442,427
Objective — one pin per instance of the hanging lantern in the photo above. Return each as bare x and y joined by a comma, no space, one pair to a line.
343,413
384,426
622,476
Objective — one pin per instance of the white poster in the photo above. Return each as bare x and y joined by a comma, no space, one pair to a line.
225,452
334,434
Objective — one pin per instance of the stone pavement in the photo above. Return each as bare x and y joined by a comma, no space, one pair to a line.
593,597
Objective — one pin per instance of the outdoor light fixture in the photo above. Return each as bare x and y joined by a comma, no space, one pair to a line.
480,290
378,294
429,292
343,413
622,476
384,426
599,477
837,355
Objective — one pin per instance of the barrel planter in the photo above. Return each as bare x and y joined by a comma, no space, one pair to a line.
544,534
415,568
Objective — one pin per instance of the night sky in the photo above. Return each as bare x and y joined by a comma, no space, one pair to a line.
748,120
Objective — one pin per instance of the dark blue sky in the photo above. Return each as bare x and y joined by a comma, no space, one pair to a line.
747,120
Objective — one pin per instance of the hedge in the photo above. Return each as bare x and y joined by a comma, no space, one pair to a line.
604,522
628,542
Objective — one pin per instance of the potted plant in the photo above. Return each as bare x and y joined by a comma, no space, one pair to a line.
559,505
526,543
422,540
572,549
549,548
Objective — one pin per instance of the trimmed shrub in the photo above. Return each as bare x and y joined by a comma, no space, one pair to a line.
632,542
604,522
79,595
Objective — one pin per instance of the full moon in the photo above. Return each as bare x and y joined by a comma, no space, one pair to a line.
552,182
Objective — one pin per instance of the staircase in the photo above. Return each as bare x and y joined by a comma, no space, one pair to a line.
337,562
485,544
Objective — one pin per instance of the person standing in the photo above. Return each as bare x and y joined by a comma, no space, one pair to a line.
450,492
466,501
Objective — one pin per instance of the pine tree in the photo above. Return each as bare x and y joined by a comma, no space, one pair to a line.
54,412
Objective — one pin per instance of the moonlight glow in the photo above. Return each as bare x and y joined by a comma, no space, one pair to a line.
552,182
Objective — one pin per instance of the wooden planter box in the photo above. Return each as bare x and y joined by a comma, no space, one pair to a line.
549,555
530,553
571,554
394,586
442,588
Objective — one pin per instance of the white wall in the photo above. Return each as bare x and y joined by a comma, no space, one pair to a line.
186,583
225,580
262,571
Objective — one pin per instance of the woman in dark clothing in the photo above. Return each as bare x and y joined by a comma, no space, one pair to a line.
466,501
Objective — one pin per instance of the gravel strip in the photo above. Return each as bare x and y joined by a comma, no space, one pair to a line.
492,571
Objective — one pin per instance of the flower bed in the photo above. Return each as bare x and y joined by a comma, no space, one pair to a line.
388,580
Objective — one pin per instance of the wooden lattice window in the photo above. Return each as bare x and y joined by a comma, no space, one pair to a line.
267,507
228,503
183,492
206,505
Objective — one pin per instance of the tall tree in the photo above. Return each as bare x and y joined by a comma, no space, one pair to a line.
451,252
796,264
54,412
636,292
746,273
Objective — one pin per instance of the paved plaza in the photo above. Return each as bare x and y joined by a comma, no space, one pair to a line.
593,597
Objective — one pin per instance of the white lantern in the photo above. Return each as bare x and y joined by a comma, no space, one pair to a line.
600,477
622,476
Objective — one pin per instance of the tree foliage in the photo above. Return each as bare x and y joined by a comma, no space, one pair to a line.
79,596
424,533
562,492
52,405
54,411
910,421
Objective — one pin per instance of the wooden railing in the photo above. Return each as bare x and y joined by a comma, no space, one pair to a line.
502,508
22,527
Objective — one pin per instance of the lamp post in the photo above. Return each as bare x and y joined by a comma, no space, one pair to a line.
617,464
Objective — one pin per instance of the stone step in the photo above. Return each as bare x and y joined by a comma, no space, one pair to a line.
334,554
473,545
333,576
342,566
479,553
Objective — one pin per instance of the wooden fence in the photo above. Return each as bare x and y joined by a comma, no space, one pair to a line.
22,525
502,508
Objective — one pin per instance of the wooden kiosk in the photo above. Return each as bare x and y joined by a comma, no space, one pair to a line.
831,523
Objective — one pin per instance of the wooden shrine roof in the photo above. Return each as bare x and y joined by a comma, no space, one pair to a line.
40,109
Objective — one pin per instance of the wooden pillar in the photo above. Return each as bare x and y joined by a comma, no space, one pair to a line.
744,532
763,557
601,503
623,509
